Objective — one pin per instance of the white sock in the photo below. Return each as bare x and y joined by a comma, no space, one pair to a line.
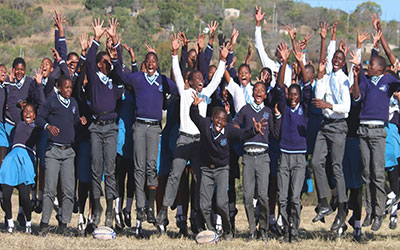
40,195
80,219
272,219
219,220
28,223
10,222
20,210
279,221
357,224
391,195
394,210
55,201
128,207
138,223
117,205
254,202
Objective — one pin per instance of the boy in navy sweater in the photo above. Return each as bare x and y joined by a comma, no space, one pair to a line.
215,137
293,145
58,116
373,91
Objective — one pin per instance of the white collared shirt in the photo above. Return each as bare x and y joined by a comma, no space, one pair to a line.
323,91
186,100
237,92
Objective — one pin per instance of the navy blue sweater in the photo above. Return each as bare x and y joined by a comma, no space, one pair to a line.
215,148
294,123
375,99
245,119
64,117
103,97
26,134
2,102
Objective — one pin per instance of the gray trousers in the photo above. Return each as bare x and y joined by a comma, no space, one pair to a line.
332,137
218,179
103,139
146,140
372,147
256,172
291,174
187,149
59,162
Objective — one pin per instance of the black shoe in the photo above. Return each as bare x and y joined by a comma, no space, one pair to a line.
286,238
357,235
393,222
337,223
109,220
21,219
367,221
274,229
340,232
377,223
119,222
228,236
10,230
150,216
81,228
183,231
193,226
252,235
140,214
61,229
161,230
38,207
294,239
127,218
139,233
97,214
44,229
161,216
323,211
263,235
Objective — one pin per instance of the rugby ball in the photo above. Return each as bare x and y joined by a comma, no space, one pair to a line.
206,237
104,233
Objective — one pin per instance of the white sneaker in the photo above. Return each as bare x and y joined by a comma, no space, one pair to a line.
28,229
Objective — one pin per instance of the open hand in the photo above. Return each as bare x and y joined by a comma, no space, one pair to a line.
38,76
196,98
98,29
260,125
259,15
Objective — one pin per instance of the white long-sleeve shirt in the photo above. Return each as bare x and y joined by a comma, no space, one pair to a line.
186,100
324,92
237,92
268,62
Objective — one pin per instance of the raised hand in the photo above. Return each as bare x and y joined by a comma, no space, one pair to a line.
224,51
249,54
84,42
334,28
234,36
395,68
291,31
356,60
343,47
11,76
38,76
259,15
322,66
130,50
98,29
56,55
150,49
303,44
376,22
361,37
175,44
213,26
200,42
298,53
58,22
284,51
183,38
196,98
376,38
260,125
234,59
112,30
324,30
276,110
227,107
113,53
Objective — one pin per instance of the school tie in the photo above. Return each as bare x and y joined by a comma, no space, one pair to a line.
206,98
375,79
247,96
44,81
334,88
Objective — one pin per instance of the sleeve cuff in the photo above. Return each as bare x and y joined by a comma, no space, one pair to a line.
114,60
83,57
116,45
210,46
134,64
45,126
278,116
97,43
358,99
61,39
61,62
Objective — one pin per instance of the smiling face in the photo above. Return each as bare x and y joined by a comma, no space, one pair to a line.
3,73
72,63
293,96
244,75
192,58
19,71
197,81
104,64
219,120
259,93
28,114
338,60
66,88
151,64
46,67
374,68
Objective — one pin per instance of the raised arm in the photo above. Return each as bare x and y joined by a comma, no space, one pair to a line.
61,43
298,54
219,73
285,53
356,70
91,67
377,25
175,44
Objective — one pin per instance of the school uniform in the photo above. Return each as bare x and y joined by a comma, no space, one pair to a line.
149,95
375,93
334,89
64,114
17,169
103,94
255,161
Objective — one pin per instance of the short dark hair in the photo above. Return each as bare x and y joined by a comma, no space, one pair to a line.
47,58
100,55
62,79
263,84
244,65
191,74
296,86
310,66
341,52
216,110
18,60
151,53
267,69
381,61
72,54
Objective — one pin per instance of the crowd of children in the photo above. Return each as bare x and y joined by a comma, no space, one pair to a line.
87,119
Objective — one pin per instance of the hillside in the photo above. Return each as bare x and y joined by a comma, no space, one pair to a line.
27,26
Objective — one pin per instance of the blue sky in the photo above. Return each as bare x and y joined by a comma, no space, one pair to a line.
390,8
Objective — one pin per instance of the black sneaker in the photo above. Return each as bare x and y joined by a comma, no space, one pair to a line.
10,230
150,216
162,215
182,225
140,214
97,215
44,229
263,235
28,229
127,218
21,219
357,235
274,229
61,229
139,233
393,222
193,225
228,236
377,223
367,221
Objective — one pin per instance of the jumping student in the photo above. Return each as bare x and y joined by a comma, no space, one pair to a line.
215,136
58,116
17,170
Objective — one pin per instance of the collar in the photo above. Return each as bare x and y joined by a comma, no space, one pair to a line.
375,79
214,133
20,83
103,78
44,81
337,73
152,79
295,108
257,107
64,101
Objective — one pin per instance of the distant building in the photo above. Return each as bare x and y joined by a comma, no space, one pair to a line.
231,13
